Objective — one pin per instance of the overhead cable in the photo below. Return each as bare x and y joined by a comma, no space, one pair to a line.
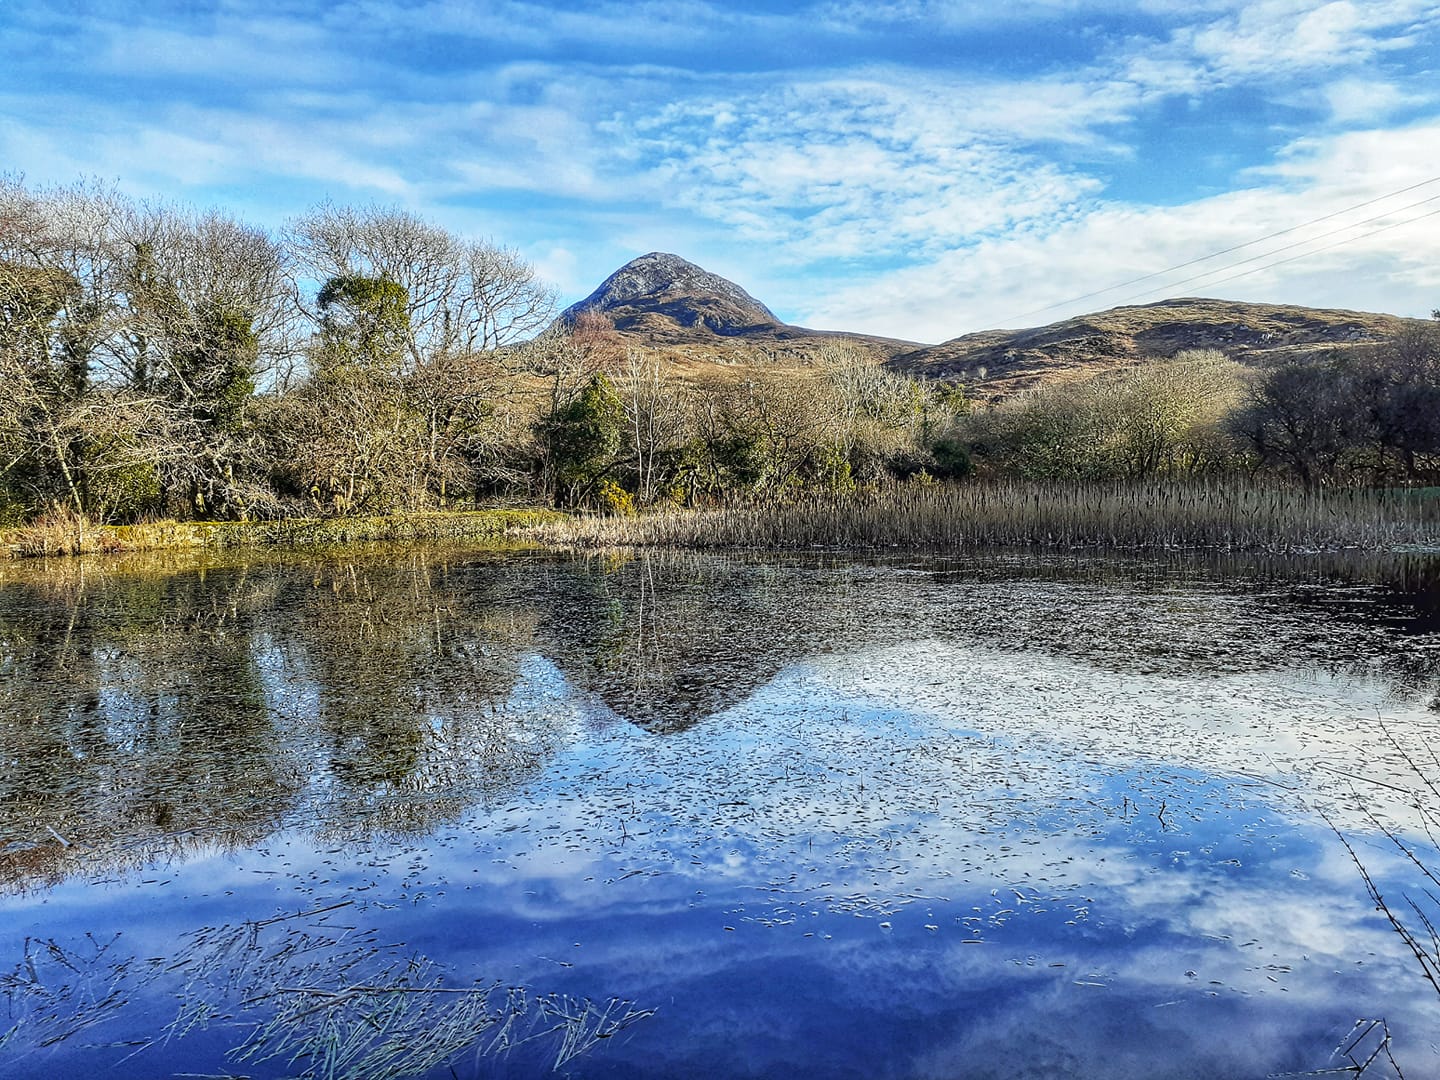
1233,248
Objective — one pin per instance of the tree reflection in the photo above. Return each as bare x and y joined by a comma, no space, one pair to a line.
138,714
411,664
177,710
167,710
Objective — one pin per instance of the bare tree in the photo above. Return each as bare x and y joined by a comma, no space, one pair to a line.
70,233
655,421
878,415
462,296
505,300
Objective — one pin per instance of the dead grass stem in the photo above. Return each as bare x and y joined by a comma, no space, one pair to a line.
1158,516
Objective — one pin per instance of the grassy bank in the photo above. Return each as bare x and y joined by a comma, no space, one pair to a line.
1126,516
1149,516
69,535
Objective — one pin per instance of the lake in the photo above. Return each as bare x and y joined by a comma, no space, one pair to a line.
443,813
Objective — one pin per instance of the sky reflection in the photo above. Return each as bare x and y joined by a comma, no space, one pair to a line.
864,840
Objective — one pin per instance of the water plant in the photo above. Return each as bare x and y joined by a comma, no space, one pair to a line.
1143,515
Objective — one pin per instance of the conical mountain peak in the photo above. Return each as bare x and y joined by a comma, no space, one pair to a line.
660,287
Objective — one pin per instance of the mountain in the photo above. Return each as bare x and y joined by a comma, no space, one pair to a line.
698,319
1001,362
662,300
661,293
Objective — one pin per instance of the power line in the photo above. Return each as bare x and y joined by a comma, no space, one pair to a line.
1327,247
1224,251
1285,247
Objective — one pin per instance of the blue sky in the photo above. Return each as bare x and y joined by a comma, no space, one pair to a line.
914,168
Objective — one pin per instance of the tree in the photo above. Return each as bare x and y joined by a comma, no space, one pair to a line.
883,420
460,296
1301,417
582,440
209,315
1398,394
72,235
65,441
504,300
1163,417
463,433
655,425
364,322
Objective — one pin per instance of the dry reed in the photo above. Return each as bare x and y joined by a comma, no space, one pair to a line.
1160,516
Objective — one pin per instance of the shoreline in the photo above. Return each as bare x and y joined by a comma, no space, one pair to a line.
1135,518
71,538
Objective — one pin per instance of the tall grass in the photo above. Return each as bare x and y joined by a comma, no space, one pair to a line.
1166,516
67,534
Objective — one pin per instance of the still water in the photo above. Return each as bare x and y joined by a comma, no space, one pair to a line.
453,814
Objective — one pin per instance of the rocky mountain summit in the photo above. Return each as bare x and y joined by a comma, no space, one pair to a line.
663,301
663,294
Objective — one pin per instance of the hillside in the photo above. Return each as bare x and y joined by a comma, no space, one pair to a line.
997,363
697,319
666,302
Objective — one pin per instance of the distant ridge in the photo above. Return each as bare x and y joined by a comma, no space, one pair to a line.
1002,362
662,301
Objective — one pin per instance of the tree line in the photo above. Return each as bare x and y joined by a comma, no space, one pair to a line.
157,360
162,361
1364,415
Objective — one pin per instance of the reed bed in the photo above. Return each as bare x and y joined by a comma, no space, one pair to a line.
1123,516
64,534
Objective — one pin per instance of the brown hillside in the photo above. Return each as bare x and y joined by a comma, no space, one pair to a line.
780,346
702,324
998,363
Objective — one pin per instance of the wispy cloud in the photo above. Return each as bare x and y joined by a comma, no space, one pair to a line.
918,165
1259,39
1030,280
858,167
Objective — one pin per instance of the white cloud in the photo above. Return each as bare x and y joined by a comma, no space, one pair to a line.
858,167
1260,39
638,118
1357,101
1004,280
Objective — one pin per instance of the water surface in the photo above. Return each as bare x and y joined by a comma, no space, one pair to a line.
398,814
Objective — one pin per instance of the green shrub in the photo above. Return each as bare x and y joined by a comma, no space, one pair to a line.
613,499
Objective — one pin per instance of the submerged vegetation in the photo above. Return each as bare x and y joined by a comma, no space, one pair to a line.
165,365
295,990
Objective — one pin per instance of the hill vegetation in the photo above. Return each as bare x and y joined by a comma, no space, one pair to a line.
160,362
1001,363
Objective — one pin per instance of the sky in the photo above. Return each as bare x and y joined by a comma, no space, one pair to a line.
914,168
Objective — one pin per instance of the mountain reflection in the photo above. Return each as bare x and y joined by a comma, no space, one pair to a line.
164,711
666,641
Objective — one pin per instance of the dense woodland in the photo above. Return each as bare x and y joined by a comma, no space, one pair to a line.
157,361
